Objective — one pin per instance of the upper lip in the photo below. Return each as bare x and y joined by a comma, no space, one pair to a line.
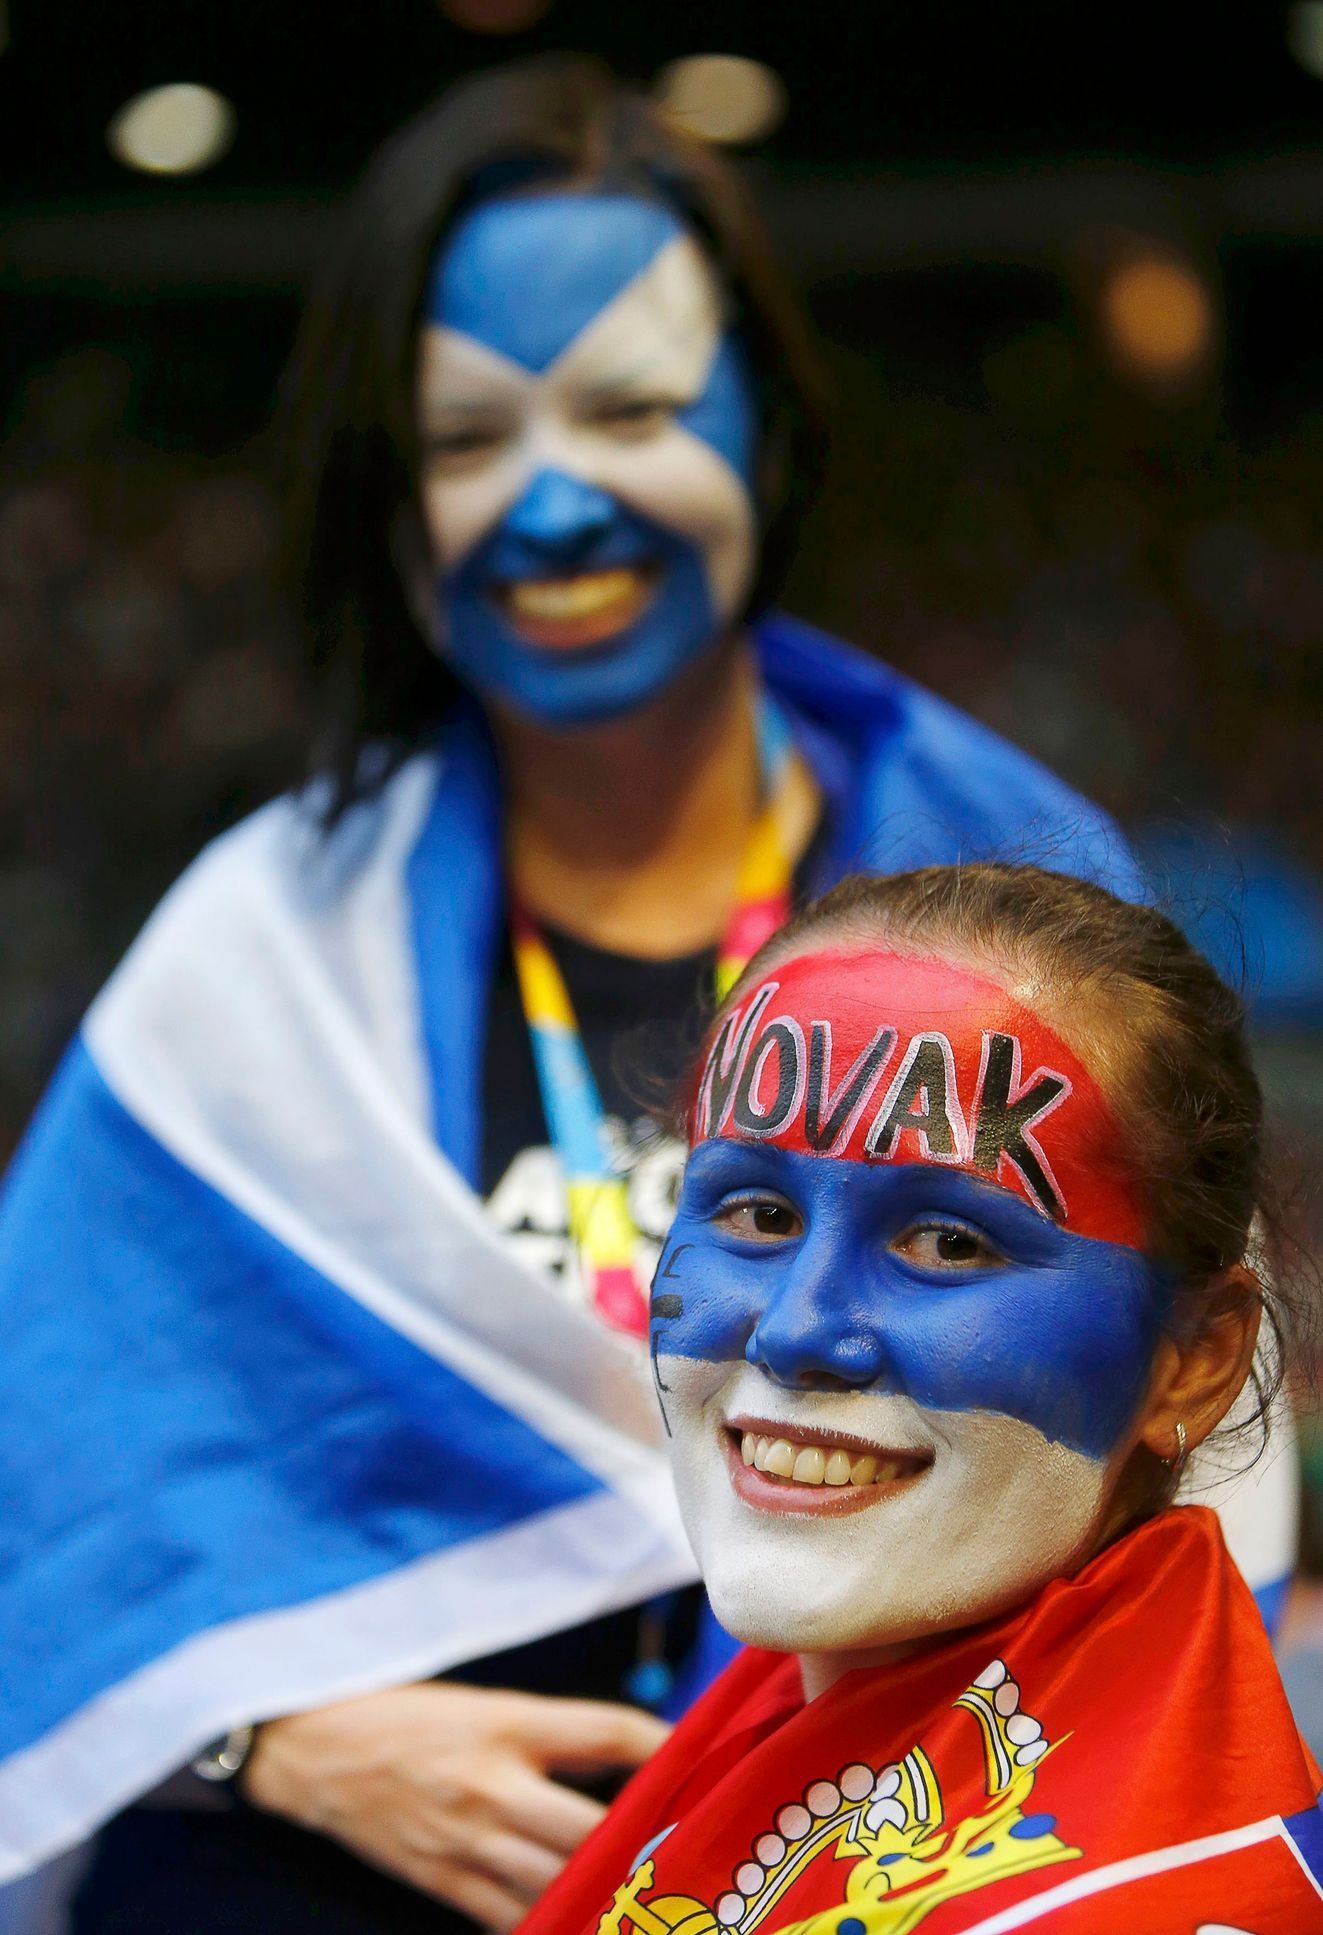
806,1433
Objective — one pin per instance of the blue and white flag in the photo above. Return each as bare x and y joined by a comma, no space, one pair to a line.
282,1418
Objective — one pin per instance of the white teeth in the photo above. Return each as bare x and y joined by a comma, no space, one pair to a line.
820,1464
580,597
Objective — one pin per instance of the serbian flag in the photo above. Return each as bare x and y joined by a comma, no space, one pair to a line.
1118,1755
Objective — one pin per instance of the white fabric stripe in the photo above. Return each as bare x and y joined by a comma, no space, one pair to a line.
224,1000
351,912
586,1558
1138,1867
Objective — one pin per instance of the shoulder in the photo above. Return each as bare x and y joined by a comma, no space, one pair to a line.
280,867
917,760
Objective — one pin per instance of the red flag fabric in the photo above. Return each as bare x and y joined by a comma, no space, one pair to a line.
1116,1756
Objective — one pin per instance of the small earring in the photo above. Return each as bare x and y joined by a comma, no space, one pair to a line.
1174,1464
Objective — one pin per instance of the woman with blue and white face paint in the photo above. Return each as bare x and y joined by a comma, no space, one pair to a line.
336,1230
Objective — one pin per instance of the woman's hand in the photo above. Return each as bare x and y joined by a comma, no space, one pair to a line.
449,1786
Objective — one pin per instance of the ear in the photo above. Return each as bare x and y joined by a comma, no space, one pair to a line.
1195,1382
412,556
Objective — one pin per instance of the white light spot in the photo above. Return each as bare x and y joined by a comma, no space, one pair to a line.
823,1798
1026,1756
991,1676
1304,36
1006,1699
173,130
770,1849
729,1910
748,1877
722,97
1021,1729
856,1782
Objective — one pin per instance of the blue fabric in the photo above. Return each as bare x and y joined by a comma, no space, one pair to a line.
1271,1602
911,781
234,1433
1306,1832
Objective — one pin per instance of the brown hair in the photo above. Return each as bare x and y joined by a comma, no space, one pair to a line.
1166,1034
351,444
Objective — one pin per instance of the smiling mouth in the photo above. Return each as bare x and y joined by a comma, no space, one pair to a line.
777,1472
568,613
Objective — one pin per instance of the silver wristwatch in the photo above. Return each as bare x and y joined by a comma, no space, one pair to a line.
224,1759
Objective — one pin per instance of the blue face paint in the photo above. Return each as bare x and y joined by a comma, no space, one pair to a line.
1059,1334
590,492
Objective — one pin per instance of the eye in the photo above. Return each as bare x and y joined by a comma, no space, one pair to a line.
631,419
764,1218
947,1246
462,449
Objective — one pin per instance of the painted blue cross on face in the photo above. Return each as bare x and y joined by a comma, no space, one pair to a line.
897,1394
589,433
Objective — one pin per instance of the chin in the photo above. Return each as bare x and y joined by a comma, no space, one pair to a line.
998,1513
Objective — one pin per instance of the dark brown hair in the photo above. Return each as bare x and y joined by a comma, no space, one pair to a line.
1166,1035
350,439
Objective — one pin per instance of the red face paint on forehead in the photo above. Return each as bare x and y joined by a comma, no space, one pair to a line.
877,1057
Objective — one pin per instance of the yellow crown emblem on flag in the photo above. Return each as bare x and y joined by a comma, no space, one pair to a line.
890,1824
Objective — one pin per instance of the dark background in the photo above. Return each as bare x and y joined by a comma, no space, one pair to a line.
1125,576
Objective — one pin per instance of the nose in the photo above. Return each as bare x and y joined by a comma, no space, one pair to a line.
817,1333
560,517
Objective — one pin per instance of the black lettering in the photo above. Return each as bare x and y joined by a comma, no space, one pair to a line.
785,1041
1004,1127
727,1059
918,1100
826,1115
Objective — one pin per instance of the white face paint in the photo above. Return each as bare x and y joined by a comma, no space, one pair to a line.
987,1512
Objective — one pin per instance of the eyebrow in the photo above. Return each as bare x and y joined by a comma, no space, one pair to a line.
634,382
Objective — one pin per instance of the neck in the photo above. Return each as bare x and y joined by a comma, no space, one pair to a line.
819,1671
630,834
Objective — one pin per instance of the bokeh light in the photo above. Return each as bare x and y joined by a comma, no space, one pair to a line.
1158,318
1304,36
722,97
173,130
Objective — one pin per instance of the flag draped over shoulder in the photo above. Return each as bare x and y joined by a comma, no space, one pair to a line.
1117,1755
281,1419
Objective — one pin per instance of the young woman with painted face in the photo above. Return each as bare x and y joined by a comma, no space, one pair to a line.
333,1229
957,1282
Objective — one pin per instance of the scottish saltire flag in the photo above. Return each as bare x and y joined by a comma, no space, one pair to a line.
281,1418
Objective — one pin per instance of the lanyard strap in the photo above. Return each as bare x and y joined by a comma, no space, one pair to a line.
601,1227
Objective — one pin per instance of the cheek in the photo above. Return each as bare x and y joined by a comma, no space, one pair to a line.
460,511
1069,1358
678,481
716,1301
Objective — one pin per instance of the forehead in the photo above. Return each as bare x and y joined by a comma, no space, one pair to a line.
527,275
